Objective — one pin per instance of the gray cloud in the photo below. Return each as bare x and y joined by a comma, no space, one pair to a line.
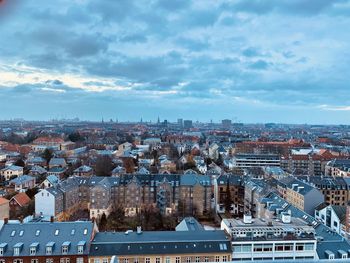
279,52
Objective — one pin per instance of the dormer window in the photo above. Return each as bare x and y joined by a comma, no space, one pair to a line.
17,249
3,247
49,248
65,247
81,246
33,248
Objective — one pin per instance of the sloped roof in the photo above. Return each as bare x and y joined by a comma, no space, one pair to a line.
22,199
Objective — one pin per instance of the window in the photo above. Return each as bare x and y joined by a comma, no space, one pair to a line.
224,258
32,251
136,260
309,246
299,247
17,261
16,251
167,260
197,259
2,261
80,260
126,260
34,261
157,260
96,260
188,260
148,260
49,260
1,251
64,249
80,249
48,250
177,260
206,259
105,260
217,259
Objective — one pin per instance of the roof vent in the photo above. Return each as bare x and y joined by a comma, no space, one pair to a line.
139,230
247,219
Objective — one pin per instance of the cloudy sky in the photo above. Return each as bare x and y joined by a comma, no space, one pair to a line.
248,60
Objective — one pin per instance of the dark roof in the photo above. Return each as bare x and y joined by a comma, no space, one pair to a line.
160,242
43,233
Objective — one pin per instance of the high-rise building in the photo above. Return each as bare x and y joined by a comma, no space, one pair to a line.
226,123
187,124
180,122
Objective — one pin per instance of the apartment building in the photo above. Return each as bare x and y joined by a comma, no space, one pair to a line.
169,192
245,160
285,238
335,189
50,242
161,247
300,194
338,167
233,183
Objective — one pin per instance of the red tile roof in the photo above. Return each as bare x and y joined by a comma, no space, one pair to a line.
3,201
22,199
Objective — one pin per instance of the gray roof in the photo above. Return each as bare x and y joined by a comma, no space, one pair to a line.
189,224
44,233
22,179
160,242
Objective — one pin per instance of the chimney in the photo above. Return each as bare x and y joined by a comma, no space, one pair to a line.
139,230
52,219
6,220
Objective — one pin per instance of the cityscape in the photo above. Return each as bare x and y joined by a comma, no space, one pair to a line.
174,131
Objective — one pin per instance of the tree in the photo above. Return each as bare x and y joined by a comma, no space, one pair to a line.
75,137
104,166
102,226
20,162
228,199
47,154
116,218
129,165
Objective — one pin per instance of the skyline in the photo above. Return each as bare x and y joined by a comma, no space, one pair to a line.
277,61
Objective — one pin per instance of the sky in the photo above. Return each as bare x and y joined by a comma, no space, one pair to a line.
284,61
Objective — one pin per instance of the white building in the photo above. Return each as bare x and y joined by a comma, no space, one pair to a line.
11,171
333,216
48,202
286,238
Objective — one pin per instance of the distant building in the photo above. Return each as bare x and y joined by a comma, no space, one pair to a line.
187,124
11,171
227,124
256,160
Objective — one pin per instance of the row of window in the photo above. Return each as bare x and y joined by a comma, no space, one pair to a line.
167,260
48,260
269,247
